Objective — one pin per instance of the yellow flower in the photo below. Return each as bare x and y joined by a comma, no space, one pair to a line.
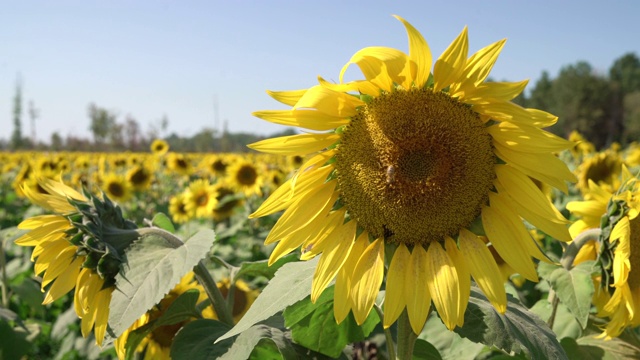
582,147
245,177
617,296
139,177
178,209
602,168
157,345
116,187
65,260
159,147
227,200
415,160
200,198
179,163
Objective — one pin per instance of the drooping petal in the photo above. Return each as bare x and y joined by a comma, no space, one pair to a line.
464,277
442,282
102,305
59,265
64,282
450,64
342,291
419,53
416,293
484,269
367,278
332,259
399,271
621,260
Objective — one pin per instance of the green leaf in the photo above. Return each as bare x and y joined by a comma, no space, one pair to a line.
14,343
564,325
196,340
425,351
574,288
449,344
588,348
245,343
153,268
163,222
544,269
291,283
262,268
518,330
314,325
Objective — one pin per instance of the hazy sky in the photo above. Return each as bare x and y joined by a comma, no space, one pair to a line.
148,59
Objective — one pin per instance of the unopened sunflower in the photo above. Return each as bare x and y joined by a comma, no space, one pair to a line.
79,246
617,294
421,162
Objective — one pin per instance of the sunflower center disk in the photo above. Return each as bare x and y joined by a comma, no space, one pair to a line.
415,166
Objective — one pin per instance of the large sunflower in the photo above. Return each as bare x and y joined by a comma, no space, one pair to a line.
421,163
617,294
71,257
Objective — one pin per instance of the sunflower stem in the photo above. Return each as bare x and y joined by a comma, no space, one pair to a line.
5,279
387,334
406,337
202,275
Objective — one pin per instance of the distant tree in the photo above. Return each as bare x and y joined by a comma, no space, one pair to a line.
57,143
17,141
34,113
102,123
541,96
626,72
624,76
132,134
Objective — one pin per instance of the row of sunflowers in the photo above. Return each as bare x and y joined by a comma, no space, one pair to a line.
419,201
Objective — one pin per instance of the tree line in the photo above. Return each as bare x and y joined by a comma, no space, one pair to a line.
603,107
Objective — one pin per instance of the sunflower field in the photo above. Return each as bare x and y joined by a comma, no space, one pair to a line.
421,214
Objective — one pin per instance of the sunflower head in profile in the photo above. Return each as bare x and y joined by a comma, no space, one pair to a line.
603,168
617,294
78,246
157,345
422,163
116,187
159,147
245,177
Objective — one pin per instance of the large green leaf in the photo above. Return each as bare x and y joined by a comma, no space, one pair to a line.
291,283
196,340
449,345
245,343
564,325
574,288
14,342
314,325
518,330
262,268
425,351
153,268
162,221
592,348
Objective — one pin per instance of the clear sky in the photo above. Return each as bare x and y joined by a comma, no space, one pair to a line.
148,59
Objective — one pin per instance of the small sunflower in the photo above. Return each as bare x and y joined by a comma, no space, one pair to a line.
178,209
617,293
200,198
159,147
227,202
418,162
139,177
69,257
116,187
215,165
179,164
157,345
245,177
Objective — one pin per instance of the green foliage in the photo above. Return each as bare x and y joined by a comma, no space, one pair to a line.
154,267
314,326
574,288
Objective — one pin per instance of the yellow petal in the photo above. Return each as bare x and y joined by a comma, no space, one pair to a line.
361,86
332,259
478,68
399,271
48,253
514,113
367,278
41,220
442,282
64,282
320,238
342,291
57,187
102,304
83,278
495,92
35,236
484,269
329,102
419,53
308,119
380,65
416,294
451,63
505,240
527,138
290,97
59,264
292,145
621,263
464,277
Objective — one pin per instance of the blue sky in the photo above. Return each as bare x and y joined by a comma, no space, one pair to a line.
147,59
